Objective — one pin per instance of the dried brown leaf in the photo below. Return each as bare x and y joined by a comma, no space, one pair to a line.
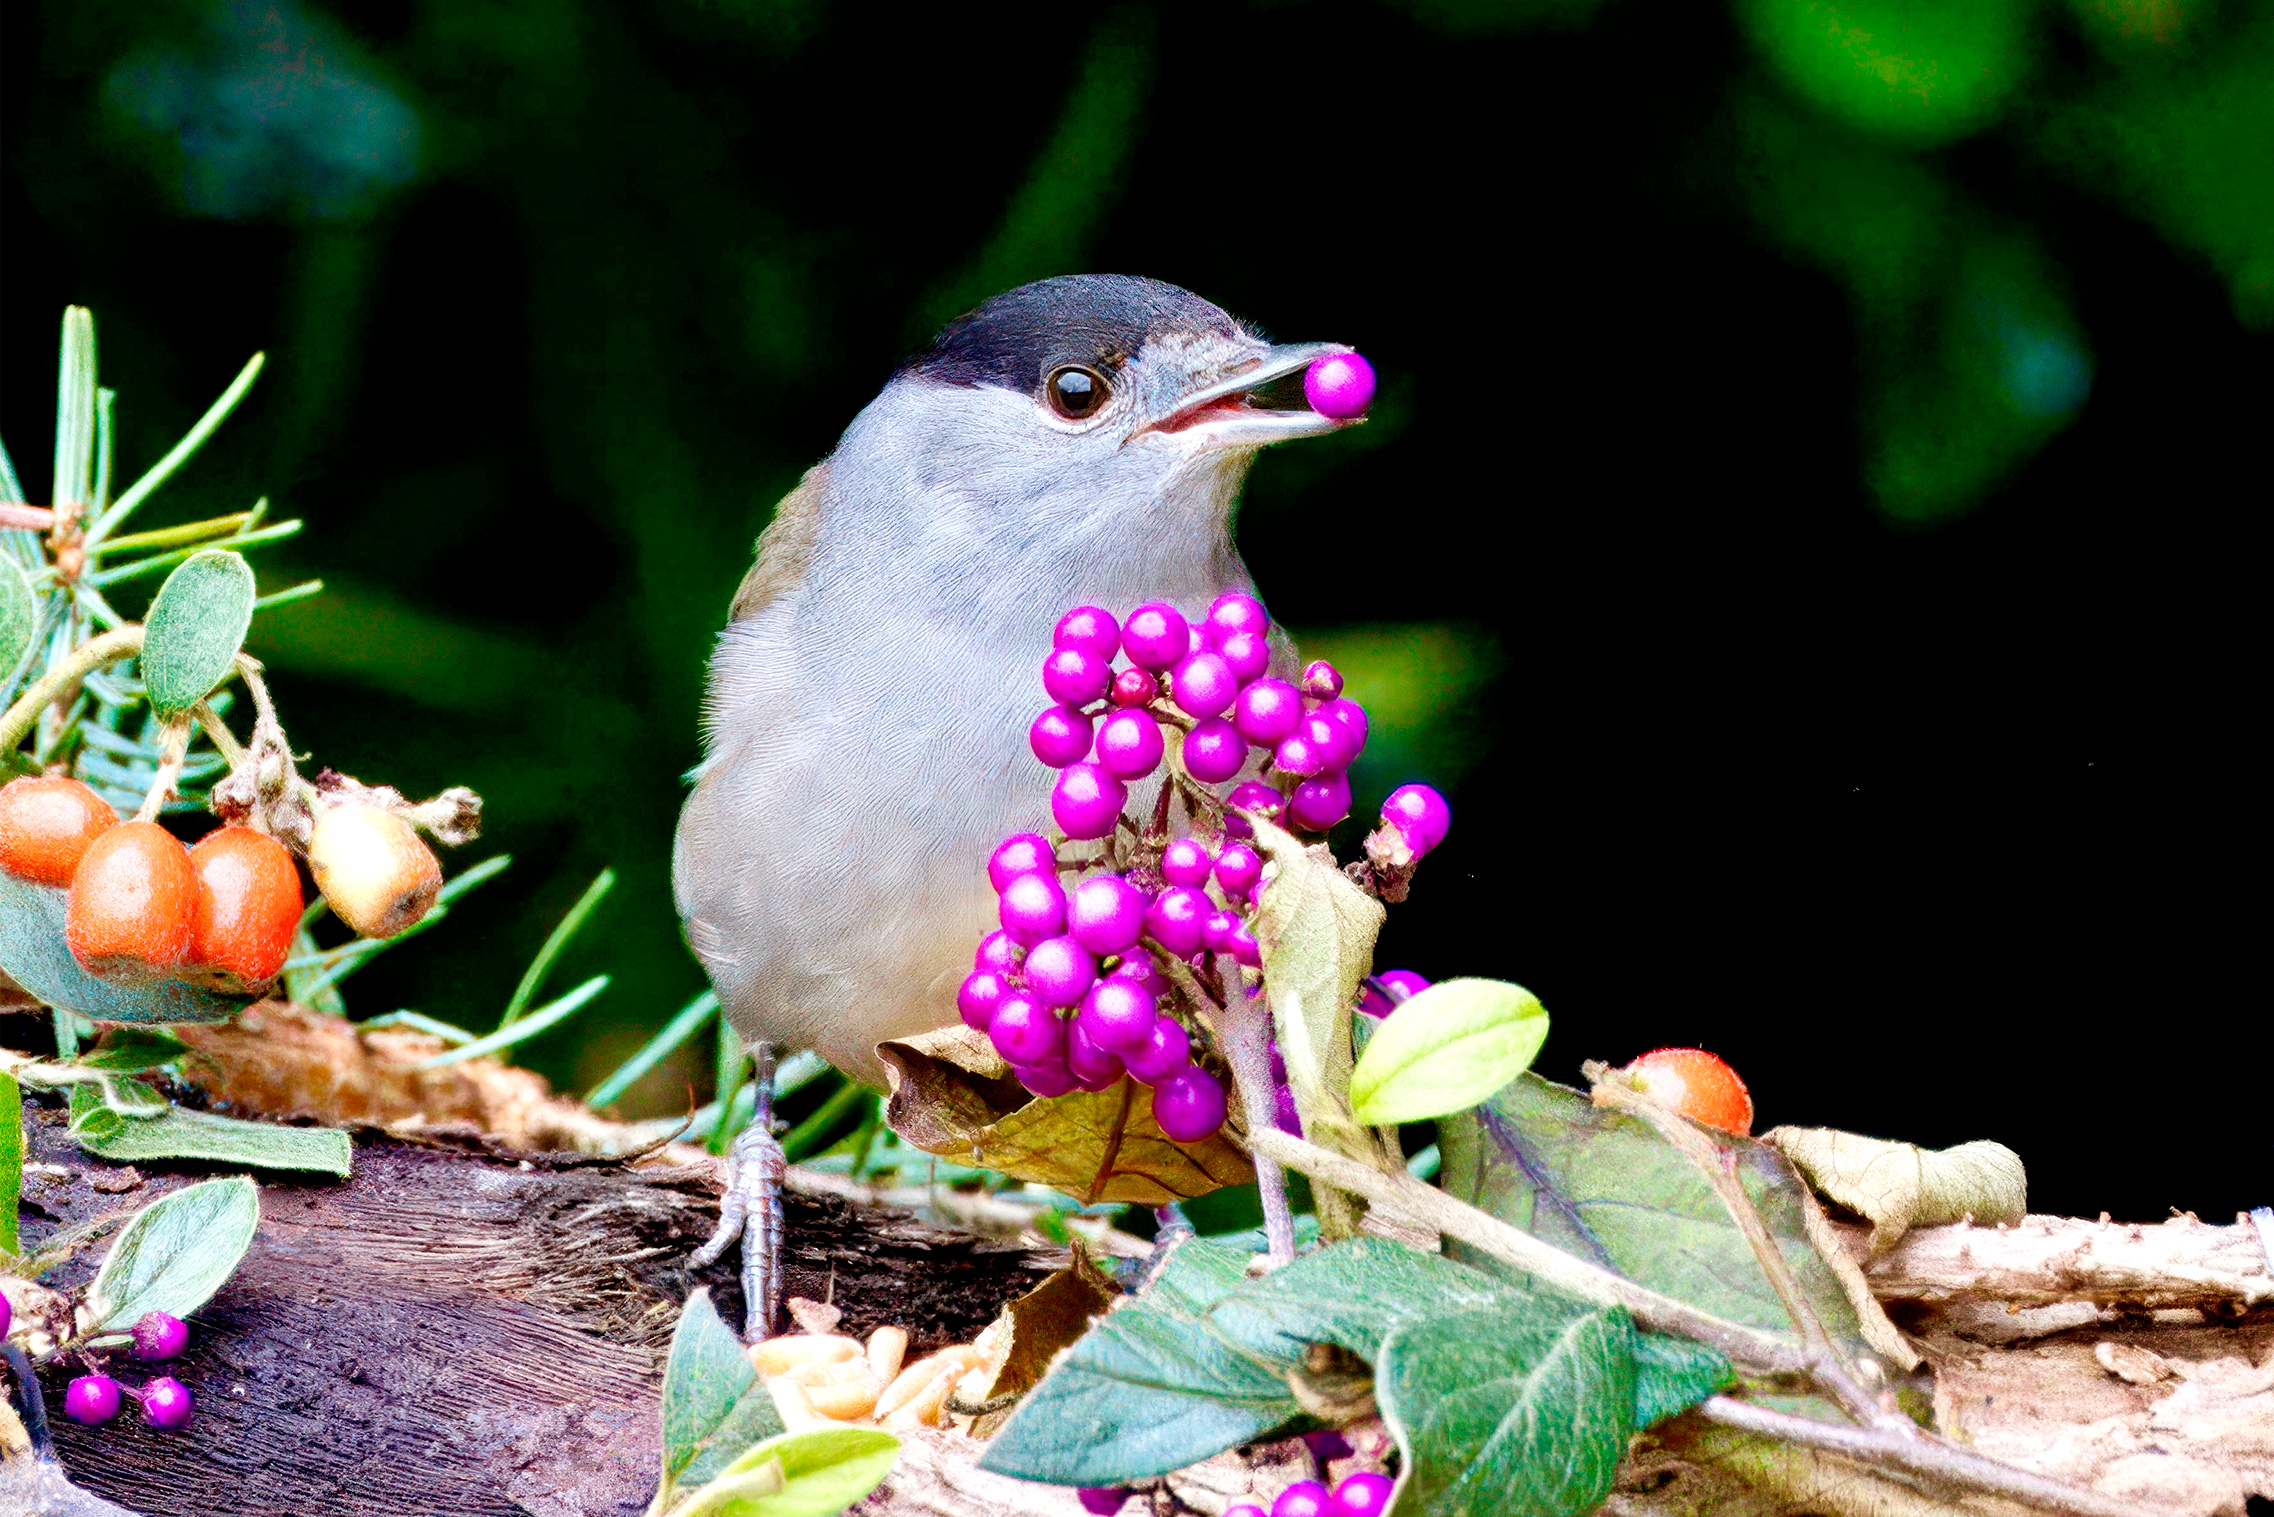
1899,1186
953,1095
1037,1327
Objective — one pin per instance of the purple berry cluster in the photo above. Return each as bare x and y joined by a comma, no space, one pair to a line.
1211,681
1364,1494
96,1397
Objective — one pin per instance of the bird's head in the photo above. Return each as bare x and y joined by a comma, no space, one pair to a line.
1084,403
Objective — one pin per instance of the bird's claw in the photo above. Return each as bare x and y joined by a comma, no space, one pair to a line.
753,1189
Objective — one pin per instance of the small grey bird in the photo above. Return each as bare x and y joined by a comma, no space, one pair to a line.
1080,440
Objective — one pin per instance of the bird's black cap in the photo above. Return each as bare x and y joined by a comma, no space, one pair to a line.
1100,320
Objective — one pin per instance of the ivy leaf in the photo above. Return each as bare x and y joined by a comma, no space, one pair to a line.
176,1252
33,954
952,1095
1448,1048
714,1410
11,1158
196,625
818,1473
1899,1186
178,1134
19,619
127,1049
1606,1187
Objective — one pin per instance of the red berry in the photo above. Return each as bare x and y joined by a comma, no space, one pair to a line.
1695,1083
46,825
133,904
248,907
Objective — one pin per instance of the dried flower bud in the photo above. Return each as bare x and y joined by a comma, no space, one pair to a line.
372,868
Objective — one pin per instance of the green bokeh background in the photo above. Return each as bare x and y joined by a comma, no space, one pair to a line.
1783,402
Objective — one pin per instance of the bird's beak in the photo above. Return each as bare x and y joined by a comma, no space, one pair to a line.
1224,415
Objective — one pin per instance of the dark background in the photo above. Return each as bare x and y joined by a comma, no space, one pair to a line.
1803,527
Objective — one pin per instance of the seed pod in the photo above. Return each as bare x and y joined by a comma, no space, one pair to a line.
133,902
248,907
888,1347
46,825
846,1400
373,869
778,1356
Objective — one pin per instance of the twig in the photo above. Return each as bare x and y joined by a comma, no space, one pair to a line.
1925,1455
30,518
96,653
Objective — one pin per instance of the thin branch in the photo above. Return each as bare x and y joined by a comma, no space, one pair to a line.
173,749
96,653
1927,1456
30,518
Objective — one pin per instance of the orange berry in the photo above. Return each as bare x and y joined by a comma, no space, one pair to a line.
46,823
1696,1084
248,907
133,900
373,869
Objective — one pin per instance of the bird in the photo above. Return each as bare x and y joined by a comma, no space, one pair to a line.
1081,440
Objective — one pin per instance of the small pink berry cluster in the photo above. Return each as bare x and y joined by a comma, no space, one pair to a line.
1211,681
1364,1494
96,1398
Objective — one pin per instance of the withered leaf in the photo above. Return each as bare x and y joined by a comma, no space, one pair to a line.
954,1096
1899,1186
1037,1327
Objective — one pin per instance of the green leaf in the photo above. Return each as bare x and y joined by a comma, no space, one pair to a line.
1671,1375
1519,1408
522,1031
714,1409
127,1049
678,1030
1447,1048
179,1134
1200,1362
19,619
533,979
818,1473
34,955
11,1158
176,1252
1606,1187
194,629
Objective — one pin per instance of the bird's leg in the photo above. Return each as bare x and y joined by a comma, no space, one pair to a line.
1247,1048
751,1209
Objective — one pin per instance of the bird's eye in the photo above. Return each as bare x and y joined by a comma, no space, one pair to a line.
1075,392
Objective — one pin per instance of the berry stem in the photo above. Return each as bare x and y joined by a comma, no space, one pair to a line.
173,748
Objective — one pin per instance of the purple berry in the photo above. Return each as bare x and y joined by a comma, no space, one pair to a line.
1026,1032
1020,853
1246,654
1087,801
1091,629
1217,931
1129,744
1075,676
1167,1048
1214,751
1318,804
1138,969
1116,1016
1093,1068
1204,685
1264,800
1189,1106
1298,755
1059,736
1365,1494
1047,1080
1321,680
166,1402
1187,862
1231,614
1284,1116
1033,907
7,1316
1305,1498
1176,917
1267,711
1156,635
1421,814
1000,953
1340,386
1134,687
1327,1445
1106,914
1103,1500
1238,868
1350,714
1059,972
1372,1002
1402,984
91,1399
1241,944
976,999
1329,739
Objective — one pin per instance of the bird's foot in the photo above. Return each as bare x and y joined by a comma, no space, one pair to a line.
751,1210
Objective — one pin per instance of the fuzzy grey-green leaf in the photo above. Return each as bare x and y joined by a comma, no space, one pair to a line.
33,953
713,1408
181,1134
195,627
19,618
176,1252
1447,1048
